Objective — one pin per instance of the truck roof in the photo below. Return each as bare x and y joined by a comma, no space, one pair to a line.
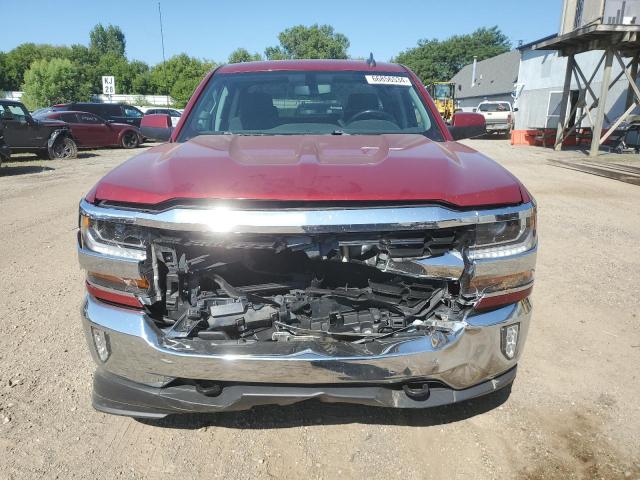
314,65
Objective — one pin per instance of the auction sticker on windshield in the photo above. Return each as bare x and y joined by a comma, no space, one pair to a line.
388,80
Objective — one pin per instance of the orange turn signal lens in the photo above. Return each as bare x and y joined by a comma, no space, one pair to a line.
118,282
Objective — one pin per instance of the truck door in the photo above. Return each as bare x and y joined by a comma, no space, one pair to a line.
17,130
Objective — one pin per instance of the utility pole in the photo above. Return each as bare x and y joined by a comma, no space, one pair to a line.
164,61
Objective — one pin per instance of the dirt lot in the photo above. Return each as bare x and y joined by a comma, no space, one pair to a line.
573,411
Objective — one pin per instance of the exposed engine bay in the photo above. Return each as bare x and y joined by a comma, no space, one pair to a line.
356,287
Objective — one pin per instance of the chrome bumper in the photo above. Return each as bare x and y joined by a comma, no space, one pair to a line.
141,353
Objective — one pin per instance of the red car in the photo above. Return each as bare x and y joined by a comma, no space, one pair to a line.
91,131
312,230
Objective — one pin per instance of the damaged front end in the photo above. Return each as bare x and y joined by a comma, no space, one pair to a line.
361,283
350,288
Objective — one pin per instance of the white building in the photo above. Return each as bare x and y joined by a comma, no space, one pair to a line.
539,89
588,27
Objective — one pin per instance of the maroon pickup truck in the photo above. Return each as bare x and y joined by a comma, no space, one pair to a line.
310,230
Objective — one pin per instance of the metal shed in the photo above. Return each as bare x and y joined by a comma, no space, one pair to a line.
609,30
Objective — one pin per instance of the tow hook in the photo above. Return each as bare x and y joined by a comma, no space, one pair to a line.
416,391
209,389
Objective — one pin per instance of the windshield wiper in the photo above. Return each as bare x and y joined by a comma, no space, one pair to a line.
240,134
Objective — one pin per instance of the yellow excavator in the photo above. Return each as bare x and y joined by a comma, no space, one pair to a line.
444,96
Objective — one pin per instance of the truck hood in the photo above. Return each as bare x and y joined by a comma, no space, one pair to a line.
398,167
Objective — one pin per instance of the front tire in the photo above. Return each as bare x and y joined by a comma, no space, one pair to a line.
130,139
63,147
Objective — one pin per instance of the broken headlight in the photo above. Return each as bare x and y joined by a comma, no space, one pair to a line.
114,239
503,255
504,238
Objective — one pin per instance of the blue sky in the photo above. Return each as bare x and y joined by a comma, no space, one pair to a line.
212,29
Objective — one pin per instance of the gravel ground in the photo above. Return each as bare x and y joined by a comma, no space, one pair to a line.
573,411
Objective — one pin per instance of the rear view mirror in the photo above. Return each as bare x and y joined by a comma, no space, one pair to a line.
156,127
467,125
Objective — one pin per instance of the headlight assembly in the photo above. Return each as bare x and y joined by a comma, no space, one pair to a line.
503,254
114,239
504,238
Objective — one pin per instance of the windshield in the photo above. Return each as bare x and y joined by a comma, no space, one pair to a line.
494,107
442,91
309,103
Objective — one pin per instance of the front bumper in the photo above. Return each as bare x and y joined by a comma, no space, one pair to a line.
502,127
140,354
118,396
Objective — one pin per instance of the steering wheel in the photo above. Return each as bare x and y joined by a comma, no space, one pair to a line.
373,115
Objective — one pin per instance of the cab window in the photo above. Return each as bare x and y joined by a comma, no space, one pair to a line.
494,107
14,112
131,112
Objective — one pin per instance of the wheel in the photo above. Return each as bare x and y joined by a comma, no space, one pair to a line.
63,147
130,139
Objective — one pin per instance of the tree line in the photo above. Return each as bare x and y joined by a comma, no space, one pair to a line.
51,74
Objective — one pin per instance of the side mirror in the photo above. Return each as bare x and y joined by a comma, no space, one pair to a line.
515,109
156,127
467,125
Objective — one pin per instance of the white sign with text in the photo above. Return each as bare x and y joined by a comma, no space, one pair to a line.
108,85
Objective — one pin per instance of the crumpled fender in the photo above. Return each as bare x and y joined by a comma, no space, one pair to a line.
64,132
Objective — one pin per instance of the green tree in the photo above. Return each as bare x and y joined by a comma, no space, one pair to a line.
138,75
126,74
4,78
53,81
179,76
439,60
109,40
86,62
240,55
142,84
182,90
316,41
81,55
18,61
